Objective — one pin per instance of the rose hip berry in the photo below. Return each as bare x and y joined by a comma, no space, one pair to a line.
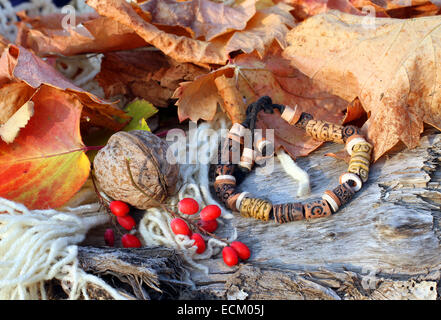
198,242
119,208
188,206
230,256
241,249
209,225
127,222
109,237
210,212
179,226
130,241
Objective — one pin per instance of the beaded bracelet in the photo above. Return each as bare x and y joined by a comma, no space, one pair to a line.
350,182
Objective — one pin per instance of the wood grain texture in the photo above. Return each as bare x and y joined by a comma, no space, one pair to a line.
384,244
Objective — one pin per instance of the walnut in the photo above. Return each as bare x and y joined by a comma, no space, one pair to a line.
148,165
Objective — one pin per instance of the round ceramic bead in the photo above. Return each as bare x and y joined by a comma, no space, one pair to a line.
353,140
226,177
345,177
331,201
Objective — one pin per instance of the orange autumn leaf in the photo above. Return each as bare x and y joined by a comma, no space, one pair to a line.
392,69
46,165
46,36
18,64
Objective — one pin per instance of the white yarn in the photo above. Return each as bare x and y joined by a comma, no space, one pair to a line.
297,173
40,245
155,225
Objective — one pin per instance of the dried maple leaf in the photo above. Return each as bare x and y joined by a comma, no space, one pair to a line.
235,86
18,64
46,165
201,18
307,8
186,49
147,74
392,69
46,36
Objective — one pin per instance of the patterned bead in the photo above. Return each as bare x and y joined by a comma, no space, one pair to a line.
348,131
288,212
324,131
224,192
360,160
256,208
317,209
353,140
344,192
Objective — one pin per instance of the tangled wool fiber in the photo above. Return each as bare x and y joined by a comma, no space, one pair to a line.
155,226
40,245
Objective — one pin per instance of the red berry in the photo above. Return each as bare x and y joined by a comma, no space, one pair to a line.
119,208
198,242
127,222
130,241
241,249
209,225
210,212
109,237
179,226
188,206
230,256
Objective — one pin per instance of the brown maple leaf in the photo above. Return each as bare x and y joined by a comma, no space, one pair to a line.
45,35
148,74
274,24
392,68
22,74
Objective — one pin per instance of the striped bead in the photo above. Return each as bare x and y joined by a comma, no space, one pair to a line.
256,208
288,212
360,160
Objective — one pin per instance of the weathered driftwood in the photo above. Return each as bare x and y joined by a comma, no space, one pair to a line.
144,273
384,244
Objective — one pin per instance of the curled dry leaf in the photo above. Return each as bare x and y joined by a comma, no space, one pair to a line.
186,49
46,36
392,69
147,74
237,85
200,18
19,65
46,165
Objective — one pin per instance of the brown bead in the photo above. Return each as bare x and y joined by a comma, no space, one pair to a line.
348,131
224,192
288,212
224,181
231,202
225,169
334,197
304,119
344,192
317,209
